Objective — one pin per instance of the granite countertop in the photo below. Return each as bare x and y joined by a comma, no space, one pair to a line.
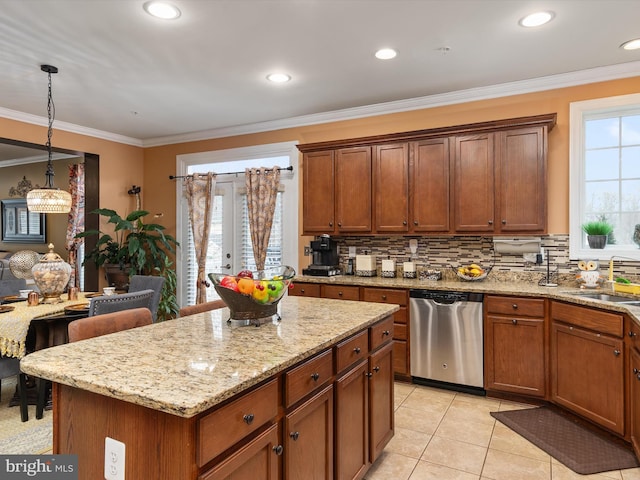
519,284
188,365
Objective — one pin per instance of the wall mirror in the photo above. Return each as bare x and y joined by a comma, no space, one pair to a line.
19,225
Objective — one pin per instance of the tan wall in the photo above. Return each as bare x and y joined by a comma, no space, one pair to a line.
121,165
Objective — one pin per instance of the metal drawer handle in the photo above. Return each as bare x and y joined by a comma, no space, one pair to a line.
515,306
514,321
386,333
384,297
340,293
248,418
315,376
616,352
376,369
278,449
294,435
357,350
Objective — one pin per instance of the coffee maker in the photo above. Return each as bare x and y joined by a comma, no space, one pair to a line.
326,262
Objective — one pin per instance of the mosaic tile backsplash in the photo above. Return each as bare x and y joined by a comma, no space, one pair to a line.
442,253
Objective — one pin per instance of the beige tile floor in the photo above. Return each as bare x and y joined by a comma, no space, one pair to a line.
444,435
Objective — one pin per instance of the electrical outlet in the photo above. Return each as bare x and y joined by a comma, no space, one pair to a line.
113,459
352,251
307,250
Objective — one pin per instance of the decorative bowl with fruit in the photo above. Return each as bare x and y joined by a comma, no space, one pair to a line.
472,272
253,296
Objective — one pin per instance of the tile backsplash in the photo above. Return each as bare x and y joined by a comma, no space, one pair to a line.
441,253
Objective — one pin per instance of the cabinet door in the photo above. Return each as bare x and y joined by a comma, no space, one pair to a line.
318,174
430,210
257,460
380,400
391,193
521,180
514,355
587,374
634,399
473,188
308,439
352,423
353,190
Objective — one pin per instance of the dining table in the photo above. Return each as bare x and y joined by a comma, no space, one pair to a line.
48,321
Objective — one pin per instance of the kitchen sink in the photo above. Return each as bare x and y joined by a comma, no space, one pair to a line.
609,298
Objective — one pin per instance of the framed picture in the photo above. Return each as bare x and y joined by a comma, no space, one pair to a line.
19,225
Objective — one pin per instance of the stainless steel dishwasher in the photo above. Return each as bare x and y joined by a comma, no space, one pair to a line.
447,340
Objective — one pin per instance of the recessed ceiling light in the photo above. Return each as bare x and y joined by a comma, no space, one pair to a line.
536,19
631,44
278,77
386,53
162,10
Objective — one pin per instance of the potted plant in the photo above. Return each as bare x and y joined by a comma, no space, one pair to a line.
597,232
135,247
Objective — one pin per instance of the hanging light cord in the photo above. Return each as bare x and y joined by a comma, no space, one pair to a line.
51,113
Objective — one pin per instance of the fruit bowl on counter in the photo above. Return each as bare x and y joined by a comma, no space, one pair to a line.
252,296
472,272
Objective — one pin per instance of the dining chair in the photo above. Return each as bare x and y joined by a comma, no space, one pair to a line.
10,367
148,282
125,301
12,286
201,307
95,326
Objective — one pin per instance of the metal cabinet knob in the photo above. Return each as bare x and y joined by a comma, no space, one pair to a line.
384,297
248,418
616,352
386,333
636,371
376,369
331,224
404,222
514,306
357,349
415,222
278,449
632,334
504,222
368,374
514,321
294,435
490,222
339,224
315,376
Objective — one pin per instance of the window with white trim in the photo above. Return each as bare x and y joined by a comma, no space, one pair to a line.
605,174
230,248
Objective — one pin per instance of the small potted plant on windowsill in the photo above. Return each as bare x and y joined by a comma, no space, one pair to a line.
598,232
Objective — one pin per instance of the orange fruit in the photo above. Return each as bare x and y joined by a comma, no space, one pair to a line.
245,285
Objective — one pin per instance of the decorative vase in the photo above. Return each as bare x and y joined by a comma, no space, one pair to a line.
117,275
597,241
636,235
51,275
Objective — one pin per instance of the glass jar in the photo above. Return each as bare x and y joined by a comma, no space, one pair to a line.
51,275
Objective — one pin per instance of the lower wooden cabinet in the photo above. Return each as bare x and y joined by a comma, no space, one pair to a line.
634,399
587,374
380,400
308,438
257,460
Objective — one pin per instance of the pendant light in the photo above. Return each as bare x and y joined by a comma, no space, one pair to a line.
49,199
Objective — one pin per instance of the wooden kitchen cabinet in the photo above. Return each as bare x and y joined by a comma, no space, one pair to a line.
340,292
521,180
473,183
429,182
318,192
353,186
301,289
381,426
514,345
634,399
391,192
587,364
308,442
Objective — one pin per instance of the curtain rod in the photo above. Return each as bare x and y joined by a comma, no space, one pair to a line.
173,177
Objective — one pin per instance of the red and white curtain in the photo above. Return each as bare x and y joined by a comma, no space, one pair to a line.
262,190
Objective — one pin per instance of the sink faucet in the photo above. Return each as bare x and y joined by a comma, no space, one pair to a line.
610,280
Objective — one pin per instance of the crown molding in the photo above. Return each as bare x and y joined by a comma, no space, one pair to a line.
581,77
69,127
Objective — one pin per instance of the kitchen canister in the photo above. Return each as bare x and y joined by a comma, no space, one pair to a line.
409,270
388,268
366,266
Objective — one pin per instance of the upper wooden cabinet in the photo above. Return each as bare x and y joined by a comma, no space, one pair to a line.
484,178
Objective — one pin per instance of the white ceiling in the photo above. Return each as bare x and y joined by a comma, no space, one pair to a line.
126,73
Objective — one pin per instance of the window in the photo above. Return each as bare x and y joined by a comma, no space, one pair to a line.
230,247
605,174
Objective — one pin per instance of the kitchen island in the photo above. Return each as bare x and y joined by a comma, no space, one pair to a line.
196,398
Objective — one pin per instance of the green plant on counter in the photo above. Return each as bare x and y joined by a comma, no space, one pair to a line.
597,227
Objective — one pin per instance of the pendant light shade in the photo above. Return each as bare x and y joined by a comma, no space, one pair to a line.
49,199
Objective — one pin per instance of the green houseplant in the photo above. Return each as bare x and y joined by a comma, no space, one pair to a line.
135,247
597,232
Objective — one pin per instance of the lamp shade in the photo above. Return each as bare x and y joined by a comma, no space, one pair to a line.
48,200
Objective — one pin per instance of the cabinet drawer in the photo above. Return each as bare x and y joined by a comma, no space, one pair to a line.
603,322
399,331
305,378
527,307
340,292
305,290
224,427
385,295
351,350
380,333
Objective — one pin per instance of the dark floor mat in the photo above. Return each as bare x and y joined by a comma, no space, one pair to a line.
580,447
